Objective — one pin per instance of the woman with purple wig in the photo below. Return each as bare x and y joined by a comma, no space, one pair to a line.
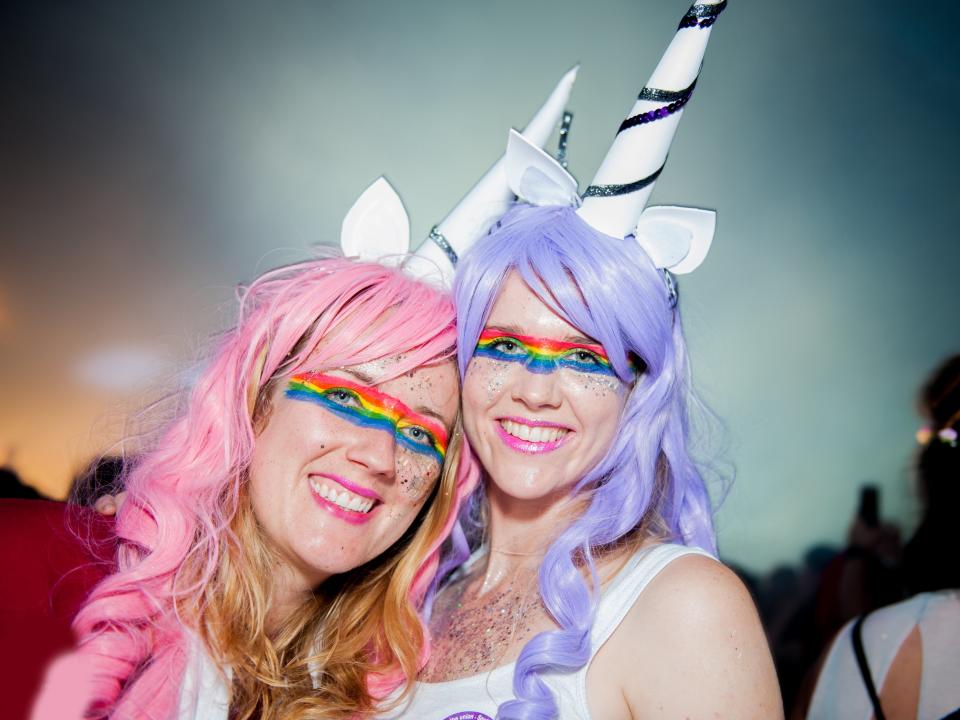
592,590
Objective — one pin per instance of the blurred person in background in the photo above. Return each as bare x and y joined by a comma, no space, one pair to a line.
12,486
903,660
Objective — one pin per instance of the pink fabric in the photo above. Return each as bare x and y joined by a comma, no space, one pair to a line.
47,573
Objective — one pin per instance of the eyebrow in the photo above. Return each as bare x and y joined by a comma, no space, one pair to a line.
424,410
421,409
359,375
517,330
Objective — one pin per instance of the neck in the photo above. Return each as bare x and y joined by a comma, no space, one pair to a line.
290,587
521,530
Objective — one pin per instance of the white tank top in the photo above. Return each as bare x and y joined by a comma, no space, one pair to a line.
840,692
476,697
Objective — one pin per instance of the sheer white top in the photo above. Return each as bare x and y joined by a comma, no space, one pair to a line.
840,692
476,697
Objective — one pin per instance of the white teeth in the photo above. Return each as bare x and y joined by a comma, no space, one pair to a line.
344,498
537,434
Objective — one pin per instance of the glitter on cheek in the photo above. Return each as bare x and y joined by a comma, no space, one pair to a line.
416,474
403,513
489,374
602,386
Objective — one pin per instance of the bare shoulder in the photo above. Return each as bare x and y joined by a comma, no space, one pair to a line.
695,589
692,645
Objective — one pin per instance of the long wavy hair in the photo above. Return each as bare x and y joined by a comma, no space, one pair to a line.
647,484
192,560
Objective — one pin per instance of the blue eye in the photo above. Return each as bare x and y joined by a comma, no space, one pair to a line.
342,396
507,346
586,357
418,435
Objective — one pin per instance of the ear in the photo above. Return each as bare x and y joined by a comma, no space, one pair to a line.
377,226
676,238
536,177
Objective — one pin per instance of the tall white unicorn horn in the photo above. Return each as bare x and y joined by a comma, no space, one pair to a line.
619,192
486,202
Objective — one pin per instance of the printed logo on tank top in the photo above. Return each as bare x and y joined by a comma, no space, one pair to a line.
468,715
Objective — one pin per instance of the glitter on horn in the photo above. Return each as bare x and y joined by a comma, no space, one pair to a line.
622,186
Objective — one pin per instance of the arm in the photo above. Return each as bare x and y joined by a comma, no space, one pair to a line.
692,646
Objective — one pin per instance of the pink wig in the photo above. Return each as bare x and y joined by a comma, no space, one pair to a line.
184,492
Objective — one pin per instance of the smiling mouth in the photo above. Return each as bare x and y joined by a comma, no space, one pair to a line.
337,495
529,438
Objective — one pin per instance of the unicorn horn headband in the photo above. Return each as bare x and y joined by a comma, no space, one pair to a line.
676,238
377,226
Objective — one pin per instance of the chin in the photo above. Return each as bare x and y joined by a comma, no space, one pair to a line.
534,486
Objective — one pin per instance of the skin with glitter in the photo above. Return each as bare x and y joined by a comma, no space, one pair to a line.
479,618
367,407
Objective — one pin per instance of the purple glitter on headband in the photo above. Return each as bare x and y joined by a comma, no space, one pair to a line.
702,16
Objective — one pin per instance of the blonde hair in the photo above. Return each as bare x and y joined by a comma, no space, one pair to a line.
362,623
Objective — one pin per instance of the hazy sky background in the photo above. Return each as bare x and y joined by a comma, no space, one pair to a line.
152,155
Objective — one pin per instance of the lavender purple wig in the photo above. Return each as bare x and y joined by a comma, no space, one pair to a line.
610,290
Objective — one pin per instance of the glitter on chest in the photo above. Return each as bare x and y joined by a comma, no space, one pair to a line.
475,634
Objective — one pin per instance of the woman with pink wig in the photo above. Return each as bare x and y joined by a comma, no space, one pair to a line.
277,542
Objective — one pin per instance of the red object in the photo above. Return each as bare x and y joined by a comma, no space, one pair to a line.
51,556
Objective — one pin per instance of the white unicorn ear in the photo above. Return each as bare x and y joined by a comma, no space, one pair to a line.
377,226
676,238
536,177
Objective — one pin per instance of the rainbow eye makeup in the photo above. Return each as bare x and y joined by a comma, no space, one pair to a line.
367,407
543,355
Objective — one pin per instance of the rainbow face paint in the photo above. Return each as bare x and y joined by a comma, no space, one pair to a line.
367,407
543,355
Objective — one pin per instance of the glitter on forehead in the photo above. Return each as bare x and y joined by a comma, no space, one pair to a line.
373,409
379,370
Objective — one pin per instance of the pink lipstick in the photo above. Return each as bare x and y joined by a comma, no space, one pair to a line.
356,509
355,489
538,436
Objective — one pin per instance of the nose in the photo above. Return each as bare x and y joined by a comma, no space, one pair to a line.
537,389
373,449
